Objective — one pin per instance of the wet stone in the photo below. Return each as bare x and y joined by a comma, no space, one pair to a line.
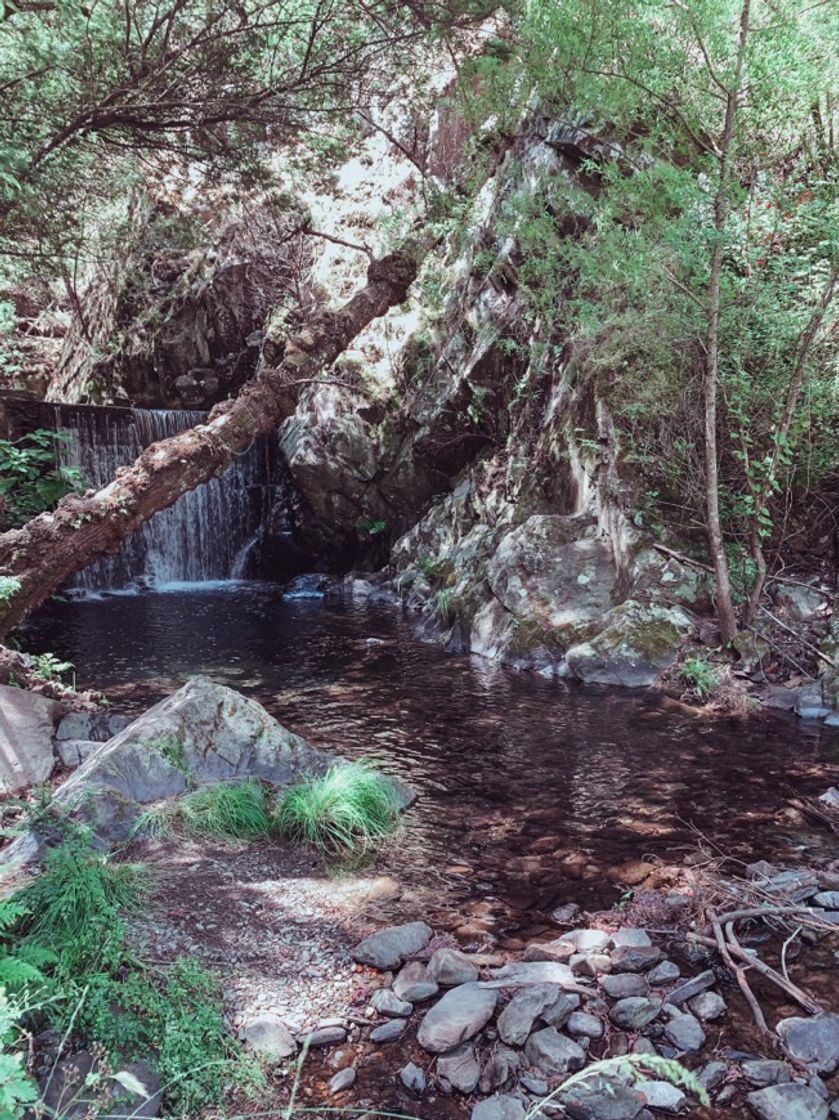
621,985
553,1054
450,967
787,1102
761,1073
458,1016
665,973
693,987
501,1107
634,1013
460,1068
662,1095
686,1033
635,958
814,1042
708,1005
342,1080
413,1078
386,1002
413,983
388,948
388,1032
516,1020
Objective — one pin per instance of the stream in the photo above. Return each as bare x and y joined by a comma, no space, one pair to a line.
532,792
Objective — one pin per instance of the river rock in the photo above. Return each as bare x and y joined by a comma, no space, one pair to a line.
766,1071
560,1011
584,1024
664,973
602,1098
635,958
814,1042
516,1020
27,721
388,1032
661,1095
501,1107
708,1005
692,987
414,984
269,1037
73,752
386,1002
557,950
586,940
787,1102
413,1078
458,1016
629,936
331,1036
388,948
553,1054
635,1012
685,1033
450,967
621,985
712,1074
521,974
460,1068
343,1079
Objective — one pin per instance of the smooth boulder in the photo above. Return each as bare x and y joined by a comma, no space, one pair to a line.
457,1017
388,948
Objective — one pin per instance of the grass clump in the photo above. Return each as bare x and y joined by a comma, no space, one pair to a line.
344,810
232,811
699,675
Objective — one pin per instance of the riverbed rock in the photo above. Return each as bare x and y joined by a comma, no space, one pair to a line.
638,641
460,1068
602,1098
413,983
814,1042
450,967
27,722
386,1002
685,1033
500,1107
662,1095
516,1020
413,1078
269,1037
787,1102
457,1017
388,1032
622,985
388,948
331,1036
553,1054
635,1012
708,1005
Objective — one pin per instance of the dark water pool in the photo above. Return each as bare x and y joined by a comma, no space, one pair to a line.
533,792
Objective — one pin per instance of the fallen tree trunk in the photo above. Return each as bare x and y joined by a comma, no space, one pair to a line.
53,546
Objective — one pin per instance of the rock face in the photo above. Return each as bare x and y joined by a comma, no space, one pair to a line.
27,724
457,1017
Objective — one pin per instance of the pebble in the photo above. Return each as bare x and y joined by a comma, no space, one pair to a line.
388,1032
553,1054
460,1068
708,1005
342,1080
634,1013
662,1095
601,1097
686,1033
664,973
501,1107
635,958
814,1042
386,1002
413,983
581,1022
712,1074
621,985
324,1036
450,967
413,1078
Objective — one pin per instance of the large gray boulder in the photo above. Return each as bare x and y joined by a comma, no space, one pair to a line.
637,642
27,724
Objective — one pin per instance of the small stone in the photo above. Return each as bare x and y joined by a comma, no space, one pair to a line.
664,973
692,987
413,1078
712,1074
458,1016
535,1085
388,948
763,1072
581,1023
516,1020
643,1046
621,985
813,1042
661,1095
388,1032
787,1102
553,1054
557,950
450,967
496,1073
386,1002
635,958
564,915
828,899
270,1037
414,984
558,1013
630,937
586,940
500,1107
342,1080
602,1098
634,1013
686,1033
708,1005
460,1068
324,1036
590,964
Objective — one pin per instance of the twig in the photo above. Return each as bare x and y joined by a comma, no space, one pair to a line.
807,645
338,240
707,568
801,997
720,943
784,948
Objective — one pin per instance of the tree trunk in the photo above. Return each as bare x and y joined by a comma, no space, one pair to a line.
725,607
53,546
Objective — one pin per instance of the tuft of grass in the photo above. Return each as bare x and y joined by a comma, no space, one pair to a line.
345,810
233,811
699,675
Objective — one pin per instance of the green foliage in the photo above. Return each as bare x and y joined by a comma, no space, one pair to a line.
345,810
9,587
49,667
171,749
429,567
17,1089
371,526
31,478
233,811
699,675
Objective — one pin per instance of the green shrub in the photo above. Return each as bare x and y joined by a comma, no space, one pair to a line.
17,1089
699,675
31,478
345,810
233,811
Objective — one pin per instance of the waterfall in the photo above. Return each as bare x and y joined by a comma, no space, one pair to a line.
210,533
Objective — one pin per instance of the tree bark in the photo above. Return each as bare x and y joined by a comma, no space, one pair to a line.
53,546
722,579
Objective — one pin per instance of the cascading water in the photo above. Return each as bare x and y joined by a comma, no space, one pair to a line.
209,534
